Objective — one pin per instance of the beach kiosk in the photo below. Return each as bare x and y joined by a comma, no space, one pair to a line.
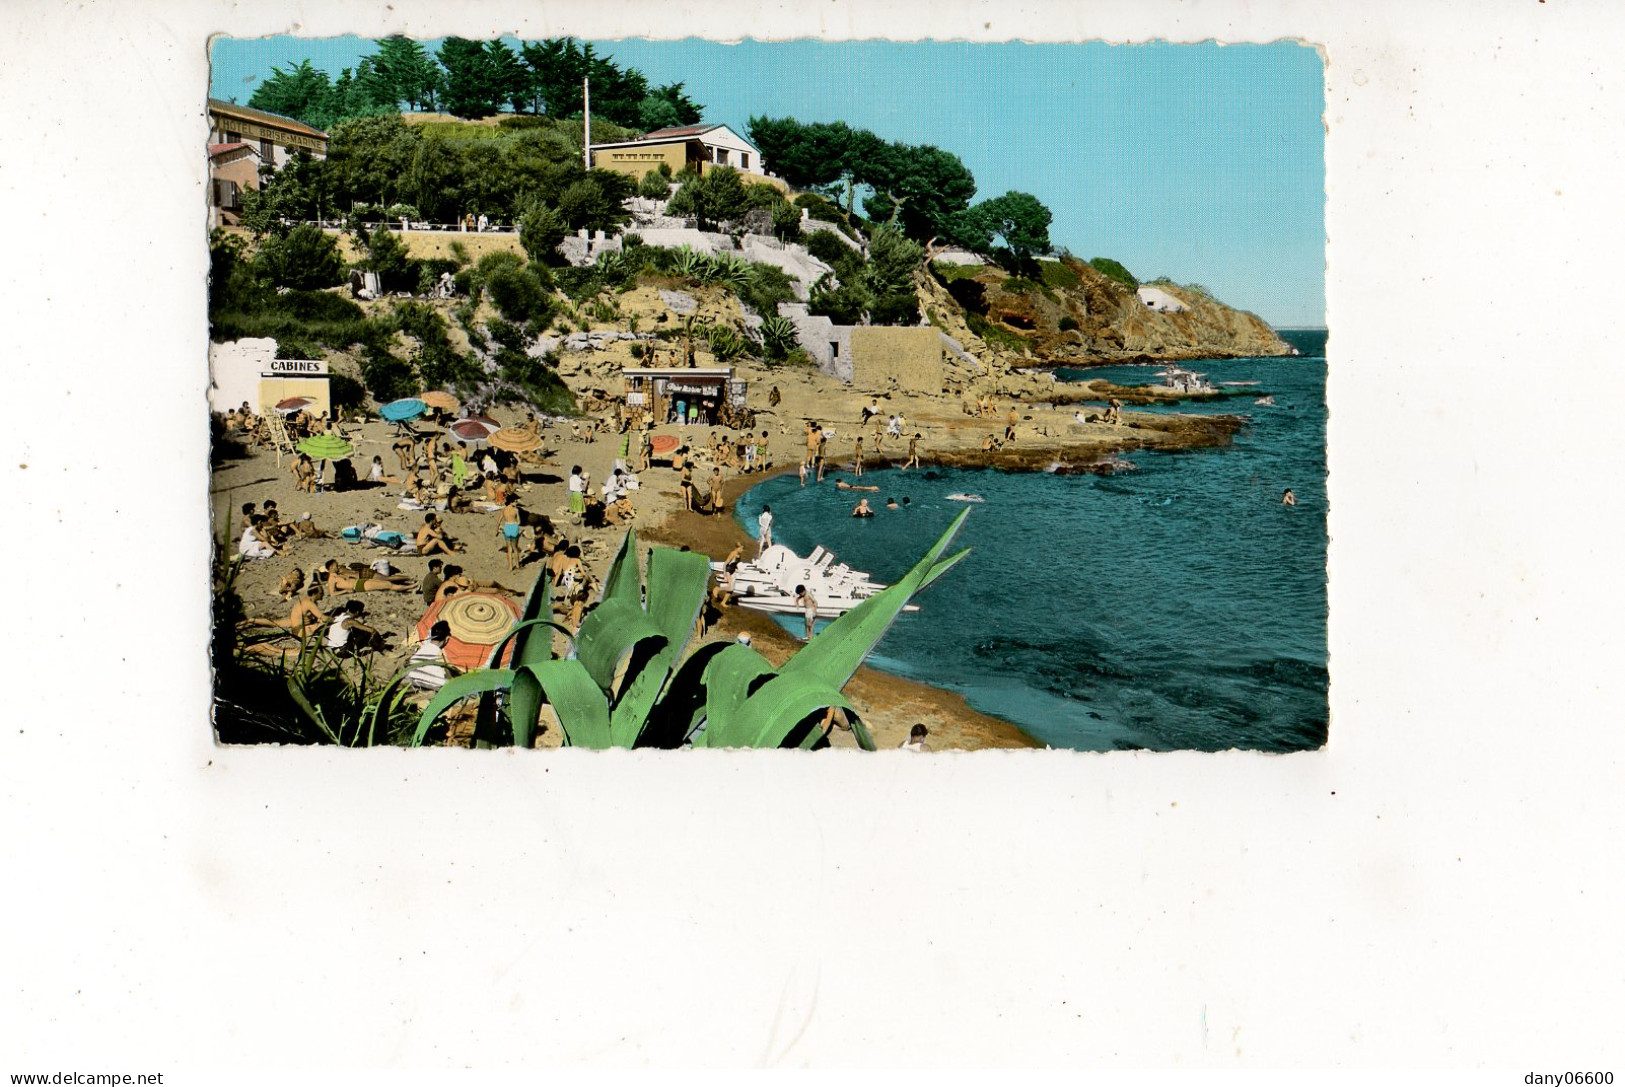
682,394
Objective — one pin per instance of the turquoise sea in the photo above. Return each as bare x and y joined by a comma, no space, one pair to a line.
1174,604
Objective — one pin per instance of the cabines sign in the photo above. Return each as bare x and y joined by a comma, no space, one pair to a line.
296,368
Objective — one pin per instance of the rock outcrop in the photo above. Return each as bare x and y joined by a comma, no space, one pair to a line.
1079,316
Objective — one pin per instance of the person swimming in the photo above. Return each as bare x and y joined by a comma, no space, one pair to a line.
862,509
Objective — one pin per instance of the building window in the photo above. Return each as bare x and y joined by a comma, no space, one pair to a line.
722,156
232,137
265,151
744,160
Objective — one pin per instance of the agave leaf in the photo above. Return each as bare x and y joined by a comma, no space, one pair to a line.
682,707
835,653
527,650
538,605
455,690
609,635
389,699
771,713
621,583
581,707
524,706
728,679
860,732
677,584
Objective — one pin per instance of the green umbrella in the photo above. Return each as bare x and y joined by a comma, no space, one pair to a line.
325,447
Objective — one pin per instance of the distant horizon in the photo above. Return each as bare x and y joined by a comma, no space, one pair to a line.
1202,163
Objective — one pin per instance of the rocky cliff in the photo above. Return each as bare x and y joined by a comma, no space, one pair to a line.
1078,316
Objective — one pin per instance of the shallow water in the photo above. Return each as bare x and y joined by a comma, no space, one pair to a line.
1175,605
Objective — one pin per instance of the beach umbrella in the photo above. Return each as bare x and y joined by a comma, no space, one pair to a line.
515,439
664,445
441,400
478,622
293,404
399,411
489,423
469,432
325,447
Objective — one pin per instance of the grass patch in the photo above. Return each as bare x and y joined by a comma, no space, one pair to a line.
1058,275
948,273
995,334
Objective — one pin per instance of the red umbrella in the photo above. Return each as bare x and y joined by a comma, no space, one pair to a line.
471,432
490,423
663,445
293,404
478,622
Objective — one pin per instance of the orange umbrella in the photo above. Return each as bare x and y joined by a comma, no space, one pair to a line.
664,444
441,400
478,622
515,439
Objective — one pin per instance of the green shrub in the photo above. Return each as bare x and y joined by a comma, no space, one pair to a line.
778,338
1113,270
578,284
993,333
654,186
519,297
1068,324
304,258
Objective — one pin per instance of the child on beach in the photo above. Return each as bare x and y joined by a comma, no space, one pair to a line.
913,453
809,606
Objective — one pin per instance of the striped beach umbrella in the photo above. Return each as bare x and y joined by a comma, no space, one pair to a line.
325,447
441,400
516,439
478,622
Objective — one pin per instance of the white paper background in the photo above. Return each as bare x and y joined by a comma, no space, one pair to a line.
1439,886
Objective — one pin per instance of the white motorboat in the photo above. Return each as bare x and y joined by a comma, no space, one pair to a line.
768,583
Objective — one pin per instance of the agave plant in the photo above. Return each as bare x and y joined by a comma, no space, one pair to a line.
726,343
690,262
730,271
625,683
779,336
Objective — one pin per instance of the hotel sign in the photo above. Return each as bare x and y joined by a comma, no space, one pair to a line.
249,131
296,368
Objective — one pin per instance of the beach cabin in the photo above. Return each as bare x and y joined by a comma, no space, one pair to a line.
249,371
683,394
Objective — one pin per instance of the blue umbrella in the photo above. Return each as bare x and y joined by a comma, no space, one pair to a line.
399,411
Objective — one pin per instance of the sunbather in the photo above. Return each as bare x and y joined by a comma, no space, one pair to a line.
362,579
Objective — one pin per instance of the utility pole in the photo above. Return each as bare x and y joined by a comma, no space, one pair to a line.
586,125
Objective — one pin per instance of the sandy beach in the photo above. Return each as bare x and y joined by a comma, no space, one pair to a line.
1048,437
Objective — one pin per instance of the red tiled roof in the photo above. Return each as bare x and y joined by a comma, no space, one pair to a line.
274,119
217,150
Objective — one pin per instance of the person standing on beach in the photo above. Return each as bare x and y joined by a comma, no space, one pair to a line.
1010,425
818,460
809,606
913,453
508,526
716,490
764,530
578,493
857,457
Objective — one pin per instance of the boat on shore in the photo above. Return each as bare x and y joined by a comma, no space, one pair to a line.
768,583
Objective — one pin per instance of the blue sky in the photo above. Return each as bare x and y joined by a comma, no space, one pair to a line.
1204,163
